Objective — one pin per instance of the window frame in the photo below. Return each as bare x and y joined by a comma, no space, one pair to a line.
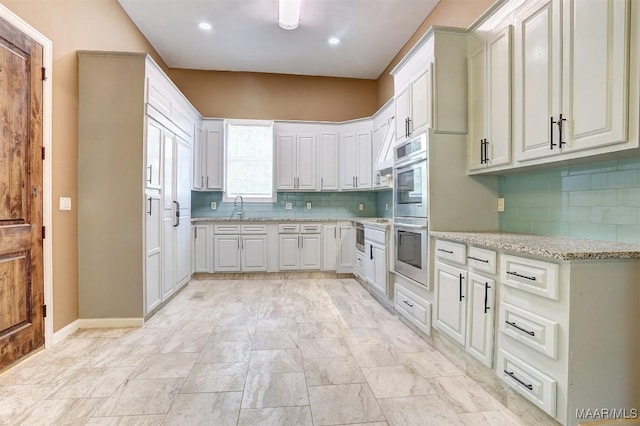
248,122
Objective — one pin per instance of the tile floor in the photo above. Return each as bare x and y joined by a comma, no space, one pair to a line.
285,352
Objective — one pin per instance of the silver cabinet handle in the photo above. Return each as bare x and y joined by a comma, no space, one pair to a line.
177,214
195,232
150,167
301,241
150,206
207,181
238,241
201,181
321,183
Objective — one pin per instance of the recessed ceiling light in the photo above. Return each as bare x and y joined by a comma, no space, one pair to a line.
334,41
205,26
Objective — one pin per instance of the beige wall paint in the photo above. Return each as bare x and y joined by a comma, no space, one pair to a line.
73,25
276,96
448,13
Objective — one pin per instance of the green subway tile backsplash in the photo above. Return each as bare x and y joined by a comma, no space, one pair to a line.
597,201
323,205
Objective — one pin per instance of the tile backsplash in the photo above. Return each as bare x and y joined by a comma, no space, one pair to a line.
323,205
598,201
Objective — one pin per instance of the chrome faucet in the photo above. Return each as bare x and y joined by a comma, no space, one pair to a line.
240,212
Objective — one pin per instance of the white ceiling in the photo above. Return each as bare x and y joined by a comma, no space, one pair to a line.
246,36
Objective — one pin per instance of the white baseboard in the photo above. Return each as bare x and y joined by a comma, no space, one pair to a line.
110,322
65,332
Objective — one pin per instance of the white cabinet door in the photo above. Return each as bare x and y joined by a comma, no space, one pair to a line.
288,251
286,164
182,176
168,256
329,247
226,253
214,155
477,74
595,57
369,264
168,169
201,248
310,251
183,251
199,158
380,268
153,261
403,113
346,247
420,114
154,154
537,76
348,158
450,301
328,161
306,162
364,162
481,318
254,252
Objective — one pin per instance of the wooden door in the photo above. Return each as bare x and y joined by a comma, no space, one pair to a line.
21,232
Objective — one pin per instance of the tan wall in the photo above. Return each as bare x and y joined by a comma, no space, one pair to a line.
448,13
73,25
276,96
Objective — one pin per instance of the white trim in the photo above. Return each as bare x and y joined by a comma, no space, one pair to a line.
47,142
110,322
65,332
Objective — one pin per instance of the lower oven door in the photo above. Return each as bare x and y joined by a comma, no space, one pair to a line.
411,258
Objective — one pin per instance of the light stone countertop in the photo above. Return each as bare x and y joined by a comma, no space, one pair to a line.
562,248
373,221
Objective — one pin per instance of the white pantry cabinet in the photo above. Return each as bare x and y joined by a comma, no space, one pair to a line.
571,77
355,155
135,137
489,62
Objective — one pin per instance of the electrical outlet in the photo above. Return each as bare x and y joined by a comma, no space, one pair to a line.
308,206
213,205
288,206
386,207
361,207
65,203
500,204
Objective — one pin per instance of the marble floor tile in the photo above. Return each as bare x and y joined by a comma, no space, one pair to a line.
287,323
184,343
60,411
151,420
275,339
204,409
364,336
103,332
275,390
97,382
315,316
317,330
276,361
123,355
431,364
424,410
232,334
238,319
146,336
465,394
396,381
165,366
141,396
490,418
376,355
225,352
276,311
281,416
332,371
344,404
324,348
198,327
79,347
17,399
222,377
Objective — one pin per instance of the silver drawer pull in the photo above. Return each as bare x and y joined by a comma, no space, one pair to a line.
410,305
514,325
526,277
445,251
478,259
513,376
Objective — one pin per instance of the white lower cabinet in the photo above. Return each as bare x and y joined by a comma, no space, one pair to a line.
337,247
253,253
153,264
411,301
299,246
465,297
376,265
240,248
202,248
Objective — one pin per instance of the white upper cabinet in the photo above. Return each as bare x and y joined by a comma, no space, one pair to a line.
413,105
570,77
382,142
296,159
208,156
355,155
489,62
154,154
328,159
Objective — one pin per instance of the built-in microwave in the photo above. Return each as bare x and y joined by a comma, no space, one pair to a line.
410,190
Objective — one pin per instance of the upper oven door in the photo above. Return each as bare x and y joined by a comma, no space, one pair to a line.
410,190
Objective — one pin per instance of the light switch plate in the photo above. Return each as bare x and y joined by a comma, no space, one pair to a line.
500,204
361,207
288,206
213,205
65,203
308,206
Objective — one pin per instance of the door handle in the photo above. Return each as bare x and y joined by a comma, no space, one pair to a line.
486,297
461,296
370,252
150,167
551,123
559,122
177,214
409,126
150,206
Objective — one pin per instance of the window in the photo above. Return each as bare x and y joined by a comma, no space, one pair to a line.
249,160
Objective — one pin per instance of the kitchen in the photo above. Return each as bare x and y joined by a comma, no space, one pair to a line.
537,195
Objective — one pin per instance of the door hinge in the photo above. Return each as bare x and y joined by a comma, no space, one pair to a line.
44,74
43,153
44,311
44,234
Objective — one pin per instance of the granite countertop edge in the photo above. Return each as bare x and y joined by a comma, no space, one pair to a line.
561,248
380,222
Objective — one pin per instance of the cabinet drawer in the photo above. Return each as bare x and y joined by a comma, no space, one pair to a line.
528,381
253,229
482,260
533,276
413,307
288,228
310,228
226,229
530,329
453,252
374,235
